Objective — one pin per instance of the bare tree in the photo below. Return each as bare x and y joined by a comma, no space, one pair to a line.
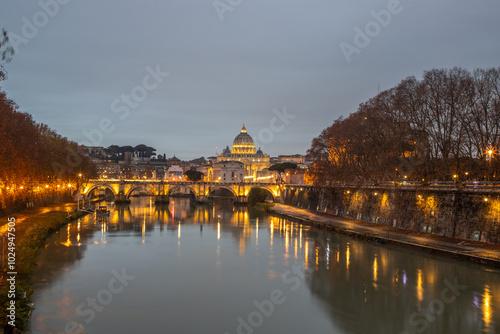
6,53
430,129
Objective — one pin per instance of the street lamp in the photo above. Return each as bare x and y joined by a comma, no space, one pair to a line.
490,154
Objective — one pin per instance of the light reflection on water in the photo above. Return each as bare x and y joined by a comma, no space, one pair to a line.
200,268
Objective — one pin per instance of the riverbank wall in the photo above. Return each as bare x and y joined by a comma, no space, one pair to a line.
470,214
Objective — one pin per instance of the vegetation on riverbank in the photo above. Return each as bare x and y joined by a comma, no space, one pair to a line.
264,206
28,245
256,195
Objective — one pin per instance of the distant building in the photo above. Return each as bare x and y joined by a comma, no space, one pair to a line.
295,176
174,161
212,160
175,173
159,171
207,172
243,150
109,170
274,161
265,176
94,151
228,172
128,157
297,158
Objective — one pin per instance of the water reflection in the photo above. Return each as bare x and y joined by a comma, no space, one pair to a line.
420,290
487,308
211,262
406,293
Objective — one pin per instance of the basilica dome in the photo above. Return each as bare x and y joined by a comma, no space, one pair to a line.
243,143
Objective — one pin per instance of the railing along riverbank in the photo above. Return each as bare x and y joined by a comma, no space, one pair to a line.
466,186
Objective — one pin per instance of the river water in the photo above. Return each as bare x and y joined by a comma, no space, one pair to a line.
218,268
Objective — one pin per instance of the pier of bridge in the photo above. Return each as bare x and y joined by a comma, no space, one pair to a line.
122,189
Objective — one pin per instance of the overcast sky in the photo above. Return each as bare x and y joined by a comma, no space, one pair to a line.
285,68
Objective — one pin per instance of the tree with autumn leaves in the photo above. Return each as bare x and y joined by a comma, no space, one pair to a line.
445,126
33,156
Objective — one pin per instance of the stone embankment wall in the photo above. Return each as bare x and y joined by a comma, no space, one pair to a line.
456,212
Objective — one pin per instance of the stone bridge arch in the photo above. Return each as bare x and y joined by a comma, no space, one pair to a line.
88,191
215,188
134,187
182,188
269,190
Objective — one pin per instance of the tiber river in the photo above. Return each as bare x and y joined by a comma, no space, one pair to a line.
222,269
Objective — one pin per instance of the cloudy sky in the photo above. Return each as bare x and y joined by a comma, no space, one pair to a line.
183,75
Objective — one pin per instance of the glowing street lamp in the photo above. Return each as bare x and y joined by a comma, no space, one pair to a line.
490,152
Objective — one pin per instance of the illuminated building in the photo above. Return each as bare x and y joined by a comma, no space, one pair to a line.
175,173
243,150
228,171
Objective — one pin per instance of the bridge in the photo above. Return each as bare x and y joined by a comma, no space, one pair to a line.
162,190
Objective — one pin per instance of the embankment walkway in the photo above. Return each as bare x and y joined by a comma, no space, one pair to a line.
456,248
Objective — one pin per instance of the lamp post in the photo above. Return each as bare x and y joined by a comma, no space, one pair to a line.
490,153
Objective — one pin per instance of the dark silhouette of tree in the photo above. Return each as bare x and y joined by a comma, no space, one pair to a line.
194,175
256,195
282,167
145,151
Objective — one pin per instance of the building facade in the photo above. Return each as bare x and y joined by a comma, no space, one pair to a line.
175,173
228,172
